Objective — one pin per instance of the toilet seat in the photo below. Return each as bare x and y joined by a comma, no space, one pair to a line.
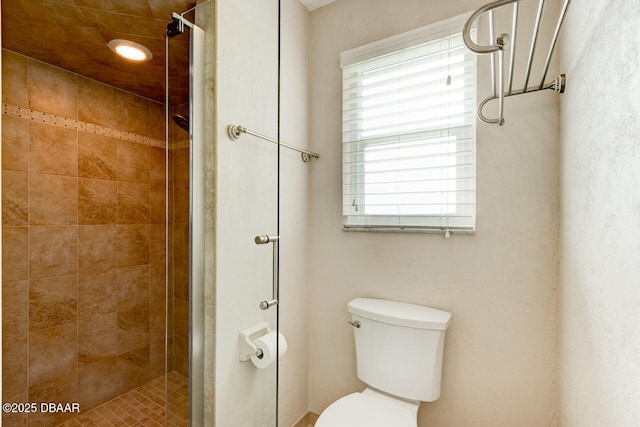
369,409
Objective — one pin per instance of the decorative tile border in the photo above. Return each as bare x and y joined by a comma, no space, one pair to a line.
52,119
184,143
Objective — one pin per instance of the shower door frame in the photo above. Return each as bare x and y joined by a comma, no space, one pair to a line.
196,215
196,226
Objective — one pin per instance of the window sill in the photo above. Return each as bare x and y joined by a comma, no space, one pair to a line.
408,230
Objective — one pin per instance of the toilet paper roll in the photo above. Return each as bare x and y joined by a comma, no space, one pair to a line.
267,343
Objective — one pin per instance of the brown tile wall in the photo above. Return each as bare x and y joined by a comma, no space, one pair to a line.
178,246
83,233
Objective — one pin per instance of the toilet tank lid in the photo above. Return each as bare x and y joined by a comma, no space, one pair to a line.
400,313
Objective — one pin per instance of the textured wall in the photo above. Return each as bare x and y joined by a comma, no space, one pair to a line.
83,238
500,284
294,213
600,216
246,195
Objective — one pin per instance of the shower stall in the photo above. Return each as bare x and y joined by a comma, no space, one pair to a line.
129,216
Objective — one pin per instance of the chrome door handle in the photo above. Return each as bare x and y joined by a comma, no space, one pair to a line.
263,240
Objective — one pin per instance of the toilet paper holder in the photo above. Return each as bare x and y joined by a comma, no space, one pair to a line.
246,346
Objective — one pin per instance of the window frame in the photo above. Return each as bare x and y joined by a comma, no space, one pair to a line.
401,222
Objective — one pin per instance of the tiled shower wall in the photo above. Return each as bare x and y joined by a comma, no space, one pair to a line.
178,351
83,233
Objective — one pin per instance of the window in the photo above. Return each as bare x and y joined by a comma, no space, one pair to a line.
409,135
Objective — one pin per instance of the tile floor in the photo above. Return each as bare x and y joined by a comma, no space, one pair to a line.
142,407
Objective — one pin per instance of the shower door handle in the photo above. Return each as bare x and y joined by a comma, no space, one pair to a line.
263,240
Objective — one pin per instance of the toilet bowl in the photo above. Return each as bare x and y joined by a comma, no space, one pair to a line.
369,408
399,352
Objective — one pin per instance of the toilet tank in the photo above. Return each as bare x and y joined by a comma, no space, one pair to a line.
399,347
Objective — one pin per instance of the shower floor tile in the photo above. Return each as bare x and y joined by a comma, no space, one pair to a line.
142,407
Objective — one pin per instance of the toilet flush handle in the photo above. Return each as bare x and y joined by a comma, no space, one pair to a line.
356,323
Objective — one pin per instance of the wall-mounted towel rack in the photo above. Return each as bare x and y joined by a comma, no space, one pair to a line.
234,132
497,52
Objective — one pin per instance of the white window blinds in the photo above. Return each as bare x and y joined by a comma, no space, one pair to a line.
409,132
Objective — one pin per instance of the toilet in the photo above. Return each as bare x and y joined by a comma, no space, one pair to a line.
399,349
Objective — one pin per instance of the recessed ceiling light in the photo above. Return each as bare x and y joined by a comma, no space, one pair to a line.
130,50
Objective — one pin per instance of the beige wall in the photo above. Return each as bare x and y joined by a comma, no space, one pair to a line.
246,195
83,237
600,216
206,19
294,212
500,284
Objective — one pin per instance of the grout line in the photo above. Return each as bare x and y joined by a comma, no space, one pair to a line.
28,227
77,245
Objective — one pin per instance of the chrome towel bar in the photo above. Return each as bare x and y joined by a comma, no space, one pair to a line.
234,132
501,41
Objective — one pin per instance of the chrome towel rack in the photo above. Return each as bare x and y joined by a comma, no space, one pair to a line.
497,50
235,131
